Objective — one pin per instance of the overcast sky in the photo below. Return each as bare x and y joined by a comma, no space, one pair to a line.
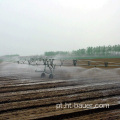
29,27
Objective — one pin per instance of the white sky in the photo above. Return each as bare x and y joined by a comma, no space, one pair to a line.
29,27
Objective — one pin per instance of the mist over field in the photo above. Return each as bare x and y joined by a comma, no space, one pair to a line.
60,59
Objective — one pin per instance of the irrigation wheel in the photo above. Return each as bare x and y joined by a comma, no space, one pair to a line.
51,76
43,75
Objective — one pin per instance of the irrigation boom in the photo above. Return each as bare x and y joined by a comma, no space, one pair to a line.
51,64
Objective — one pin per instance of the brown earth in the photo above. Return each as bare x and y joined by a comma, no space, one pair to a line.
112,63
25,96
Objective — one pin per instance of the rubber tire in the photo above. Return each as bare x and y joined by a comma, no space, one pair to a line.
43,75
51,76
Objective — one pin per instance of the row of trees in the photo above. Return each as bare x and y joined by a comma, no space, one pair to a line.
52,53
90,51
9,57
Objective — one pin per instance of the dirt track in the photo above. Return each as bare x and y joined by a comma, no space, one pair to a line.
24,95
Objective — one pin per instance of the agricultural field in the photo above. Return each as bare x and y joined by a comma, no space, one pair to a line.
26,96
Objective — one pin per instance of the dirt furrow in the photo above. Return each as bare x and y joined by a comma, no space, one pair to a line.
54,100
53,113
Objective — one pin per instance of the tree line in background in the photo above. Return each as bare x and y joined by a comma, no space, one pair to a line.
8,57
89,51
